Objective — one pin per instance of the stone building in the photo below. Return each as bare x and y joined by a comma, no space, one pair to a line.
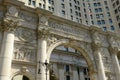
38,45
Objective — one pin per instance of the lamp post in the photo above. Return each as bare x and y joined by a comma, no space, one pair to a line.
47,66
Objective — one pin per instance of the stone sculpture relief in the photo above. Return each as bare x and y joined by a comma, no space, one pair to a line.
27,17
43,20
25,35
12,11
24,53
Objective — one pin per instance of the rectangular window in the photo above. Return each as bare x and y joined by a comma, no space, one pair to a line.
67,77
63,6
29,2
63,12
33,3
112,28
104,29
67,68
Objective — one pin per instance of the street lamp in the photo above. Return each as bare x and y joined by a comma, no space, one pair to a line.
47,67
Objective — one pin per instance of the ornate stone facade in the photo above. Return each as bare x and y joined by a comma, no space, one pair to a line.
29,38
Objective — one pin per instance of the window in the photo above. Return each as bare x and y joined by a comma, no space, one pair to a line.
40,5
102,21
112,28
30,2
52,9
99,22
76,13
67,68
33,3
110,20
70,10
70,4
63,6
107,8
63,12
49,8
44,6
105,2
67,77
104,29
108,14
71,17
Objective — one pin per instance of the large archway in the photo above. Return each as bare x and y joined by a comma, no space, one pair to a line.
87,58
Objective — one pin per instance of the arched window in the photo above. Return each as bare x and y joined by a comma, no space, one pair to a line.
20,77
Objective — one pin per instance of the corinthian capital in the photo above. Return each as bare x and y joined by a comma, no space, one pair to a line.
10,25
43,32
96,46
113,50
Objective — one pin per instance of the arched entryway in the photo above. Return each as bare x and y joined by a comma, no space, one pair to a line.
20,77
89,68
68,64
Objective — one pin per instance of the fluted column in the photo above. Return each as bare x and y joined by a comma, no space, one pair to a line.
101,70
7,49
116,65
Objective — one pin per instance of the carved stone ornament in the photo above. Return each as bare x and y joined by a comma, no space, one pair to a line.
10,25
43,32
24,53
12,11
43,20
113,50
51,39
25,35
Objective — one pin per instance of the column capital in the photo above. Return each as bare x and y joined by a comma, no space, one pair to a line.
96,46
43,32
9,25
113,50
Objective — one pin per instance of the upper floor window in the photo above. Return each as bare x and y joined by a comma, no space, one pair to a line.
31,2
112,28
63,12
110,21
63,6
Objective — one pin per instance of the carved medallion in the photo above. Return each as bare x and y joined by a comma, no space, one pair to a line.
43,19
13,11
26,35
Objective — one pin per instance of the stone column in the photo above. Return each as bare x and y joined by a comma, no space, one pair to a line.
7,49
116,65
100,66
75,73
42,73
82,77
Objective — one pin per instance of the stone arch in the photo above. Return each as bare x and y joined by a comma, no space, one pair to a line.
83,52
27,74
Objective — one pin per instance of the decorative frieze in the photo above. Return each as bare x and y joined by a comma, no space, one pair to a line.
24,53
28,17
69,31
